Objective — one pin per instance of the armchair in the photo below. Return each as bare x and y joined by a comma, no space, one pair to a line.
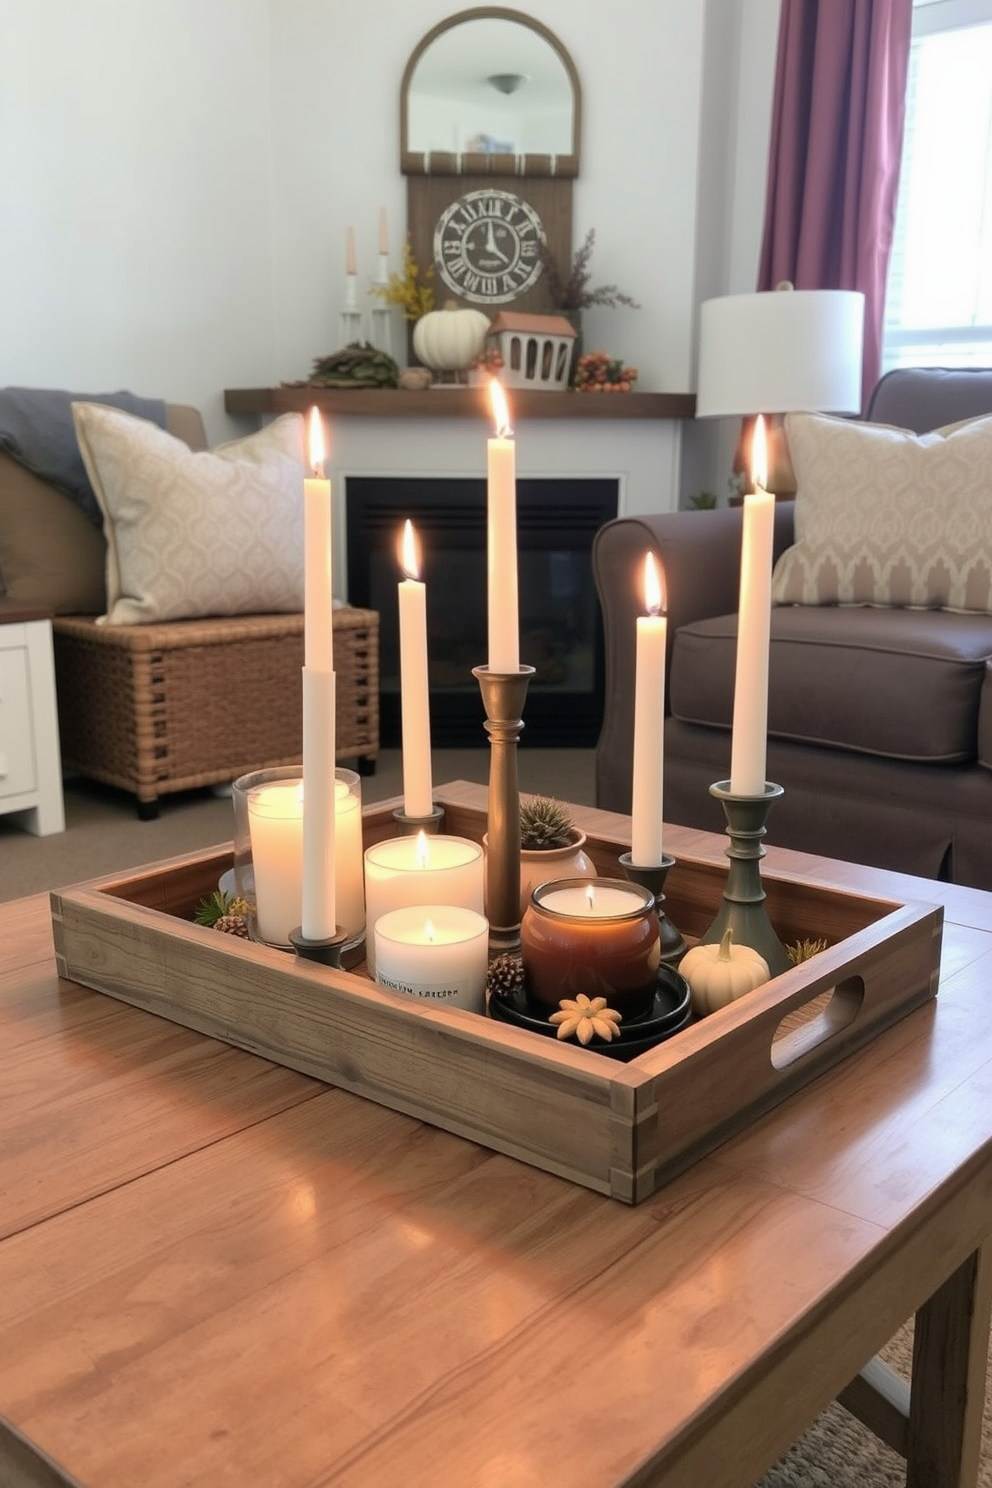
880,717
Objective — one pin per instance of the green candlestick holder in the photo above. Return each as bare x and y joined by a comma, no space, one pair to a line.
673,946
503,697
742,909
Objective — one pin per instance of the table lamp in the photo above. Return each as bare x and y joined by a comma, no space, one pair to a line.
780,351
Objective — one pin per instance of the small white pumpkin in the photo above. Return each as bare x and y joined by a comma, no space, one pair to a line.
720,973
449,340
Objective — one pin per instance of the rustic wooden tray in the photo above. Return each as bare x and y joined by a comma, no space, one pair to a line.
621,1129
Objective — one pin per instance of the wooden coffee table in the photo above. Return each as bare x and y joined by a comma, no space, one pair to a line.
215,1270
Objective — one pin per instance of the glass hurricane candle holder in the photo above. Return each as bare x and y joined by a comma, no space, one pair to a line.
268,852
599,936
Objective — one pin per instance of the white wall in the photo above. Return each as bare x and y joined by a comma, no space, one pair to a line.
135,245
176,177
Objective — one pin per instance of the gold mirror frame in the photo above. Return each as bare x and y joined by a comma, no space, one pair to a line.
450,163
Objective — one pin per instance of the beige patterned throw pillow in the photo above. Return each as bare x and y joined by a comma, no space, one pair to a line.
885,517
189,533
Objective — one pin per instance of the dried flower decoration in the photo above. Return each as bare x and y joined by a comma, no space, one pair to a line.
573,292
584,1018
412,290
802,950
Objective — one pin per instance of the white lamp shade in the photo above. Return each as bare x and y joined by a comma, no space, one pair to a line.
780,350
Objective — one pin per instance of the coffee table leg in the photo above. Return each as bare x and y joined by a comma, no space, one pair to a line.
950,1355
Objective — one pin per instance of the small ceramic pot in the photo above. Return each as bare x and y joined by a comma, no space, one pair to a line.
538,864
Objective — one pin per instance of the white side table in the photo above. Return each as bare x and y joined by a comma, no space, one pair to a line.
30,761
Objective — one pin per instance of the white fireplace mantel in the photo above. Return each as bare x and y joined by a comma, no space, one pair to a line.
633,438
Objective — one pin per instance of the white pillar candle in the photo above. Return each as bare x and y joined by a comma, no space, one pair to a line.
501,500
435,951
750,729
418,795
407,871
317,908
649,720
275,824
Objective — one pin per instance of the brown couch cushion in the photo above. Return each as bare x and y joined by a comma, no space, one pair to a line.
51,554
904,684
985,720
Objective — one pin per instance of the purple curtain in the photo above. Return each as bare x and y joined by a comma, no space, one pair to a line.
837,125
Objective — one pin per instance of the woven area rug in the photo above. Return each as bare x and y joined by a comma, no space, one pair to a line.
838,1452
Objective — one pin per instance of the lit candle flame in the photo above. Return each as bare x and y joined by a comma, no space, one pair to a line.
590,898
654,589
409,555
429,931
317,451
501,414
759,456
421,855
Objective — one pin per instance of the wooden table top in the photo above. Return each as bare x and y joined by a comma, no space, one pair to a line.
214,1270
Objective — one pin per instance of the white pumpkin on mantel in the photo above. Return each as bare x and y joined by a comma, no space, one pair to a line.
449,340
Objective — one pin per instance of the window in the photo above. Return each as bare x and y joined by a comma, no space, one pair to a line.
939,303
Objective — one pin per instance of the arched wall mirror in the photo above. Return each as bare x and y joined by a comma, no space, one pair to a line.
492,91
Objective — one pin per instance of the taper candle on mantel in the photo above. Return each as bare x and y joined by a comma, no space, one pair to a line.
414,690
318,910
350,269
750,722
649,720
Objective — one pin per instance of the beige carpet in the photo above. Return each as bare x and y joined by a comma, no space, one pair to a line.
103,834
838,1452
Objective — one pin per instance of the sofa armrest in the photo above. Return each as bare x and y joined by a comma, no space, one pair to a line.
700,555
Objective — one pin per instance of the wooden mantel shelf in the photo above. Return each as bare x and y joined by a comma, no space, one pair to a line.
458,403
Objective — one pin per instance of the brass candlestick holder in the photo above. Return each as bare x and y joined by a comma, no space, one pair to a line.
673,946
409,826
742,909
503,697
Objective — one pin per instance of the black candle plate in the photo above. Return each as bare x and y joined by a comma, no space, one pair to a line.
669,1013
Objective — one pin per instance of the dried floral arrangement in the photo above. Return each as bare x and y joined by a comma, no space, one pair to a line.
573,291
412,290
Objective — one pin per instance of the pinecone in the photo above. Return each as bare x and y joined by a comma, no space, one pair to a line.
544,822
233,924
505,976
217,905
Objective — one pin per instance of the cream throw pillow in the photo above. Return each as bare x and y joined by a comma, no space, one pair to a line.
890,518
189,533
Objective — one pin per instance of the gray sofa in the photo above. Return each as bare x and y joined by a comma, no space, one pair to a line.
879,719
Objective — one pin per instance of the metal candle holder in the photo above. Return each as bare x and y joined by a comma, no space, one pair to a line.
410,825
503,697
335,950
673,946
742,909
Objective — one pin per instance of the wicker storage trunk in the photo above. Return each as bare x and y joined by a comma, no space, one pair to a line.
170,707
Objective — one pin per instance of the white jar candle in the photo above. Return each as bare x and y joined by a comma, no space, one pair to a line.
406,871
434,951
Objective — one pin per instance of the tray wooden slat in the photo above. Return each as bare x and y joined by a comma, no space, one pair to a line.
621,1129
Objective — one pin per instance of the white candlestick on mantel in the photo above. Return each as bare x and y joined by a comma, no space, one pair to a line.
649,720
501,505
418,794
750,728
318,909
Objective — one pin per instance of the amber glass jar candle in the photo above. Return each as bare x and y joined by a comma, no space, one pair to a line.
600,937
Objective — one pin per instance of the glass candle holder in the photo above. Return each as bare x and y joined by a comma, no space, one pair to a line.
404,872
600,937
434,951
268,851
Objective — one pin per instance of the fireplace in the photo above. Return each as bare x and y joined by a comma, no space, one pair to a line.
560,626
